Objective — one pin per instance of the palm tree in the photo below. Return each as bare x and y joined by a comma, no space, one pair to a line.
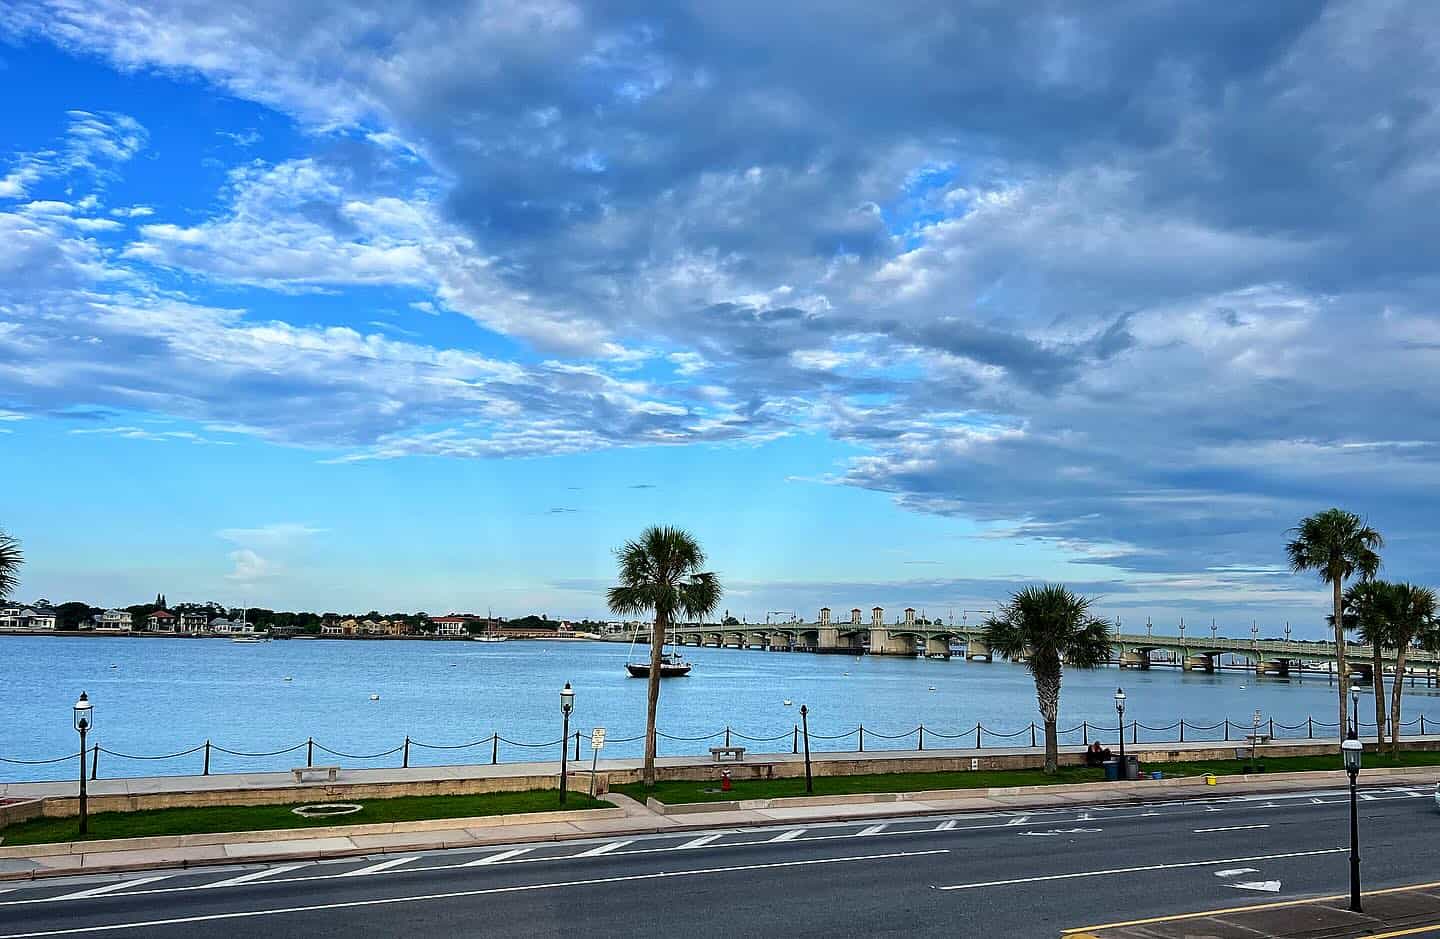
1412,620
1047,626
1368,610
1337,545
10,560
661,573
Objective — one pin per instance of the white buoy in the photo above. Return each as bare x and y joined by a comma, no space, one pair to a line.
374,697
847,674
787,702
932,687
113,665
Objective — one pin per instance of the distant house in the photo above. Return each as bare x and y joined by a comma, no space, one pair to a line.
114,621
451,625
44,617
161,621
191,621
24,617
384,628
331,629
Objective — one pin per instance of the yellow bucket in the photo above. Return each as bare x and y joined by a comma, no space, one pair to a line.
1210,779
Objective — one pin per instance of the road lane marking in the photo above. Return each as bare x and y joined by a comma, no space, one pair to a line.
945,826
1416,931
789,836
377,868
1265,886
1020,820
1205,831
108,888
252,876
497,858
1076,931
600,849
872,830
1144,867
459,894
1236,871
699,842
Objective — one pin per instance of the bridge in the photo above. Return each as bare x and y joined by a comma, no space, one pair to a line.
913,638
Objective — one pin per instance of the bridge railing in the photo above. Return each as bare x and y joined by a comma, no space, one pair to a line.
209,757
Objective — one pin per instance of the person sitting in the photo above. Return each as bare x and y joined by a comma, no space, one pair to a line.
1096,755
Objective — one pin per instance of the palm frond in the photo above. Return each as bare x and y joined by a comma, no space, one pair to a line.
11,557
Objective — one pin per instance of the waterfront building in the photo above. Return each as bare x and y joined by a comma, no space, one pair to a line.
24,617
43,617
452,626
330,629
191,621
161,621
114,621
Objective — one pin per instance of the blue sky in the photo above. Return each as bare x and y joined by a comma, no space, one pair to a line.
351,305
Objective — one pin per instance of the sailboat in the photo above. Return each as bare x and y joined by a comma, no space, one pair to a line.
489,634
672,665
245,634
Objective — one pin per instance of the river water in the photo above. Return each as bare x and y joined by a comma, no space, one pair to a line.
159,696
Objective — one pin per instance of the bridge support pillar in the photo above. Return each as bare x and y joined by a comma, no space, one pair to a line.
832,641
977,651
1277,667
1134,659
1203,663
937,648
882,643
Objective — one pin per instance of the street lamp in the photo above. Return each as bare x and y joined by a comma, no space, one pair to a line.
1351,750
1213,629
805,725
1354,711
567,704
1148,627
84,720
1120,710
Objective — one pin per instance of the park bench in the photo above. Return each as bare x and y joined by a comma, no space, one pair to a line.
1251,741
300,772
735,753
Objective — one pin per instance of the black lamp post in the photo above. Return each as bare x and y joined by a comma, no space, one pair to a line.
84,718
1351,750
1354,712
567,704
805,730
1120,710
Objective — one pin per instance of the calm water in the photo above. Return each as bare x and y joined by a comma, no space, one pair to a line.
162,696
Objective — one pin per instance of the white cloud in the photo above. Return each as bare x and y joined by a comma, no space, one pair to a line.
250,566
274,535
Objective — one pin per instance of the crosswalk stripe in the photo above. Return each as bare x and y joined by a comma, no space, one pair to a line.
603,849
254,876
111,888
697,842
872,830
377,868
787,836
497,858
945,826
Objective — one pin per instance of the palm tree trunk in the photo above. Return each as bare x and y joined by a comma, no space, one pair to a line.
1047,695
1395,691
652,706
1378,686
1340,660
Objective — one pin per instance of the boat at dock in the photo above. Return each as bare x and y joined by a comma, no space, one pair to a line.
671,666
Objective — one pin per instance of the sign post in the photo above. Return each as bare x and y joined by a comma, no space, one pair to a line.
597,743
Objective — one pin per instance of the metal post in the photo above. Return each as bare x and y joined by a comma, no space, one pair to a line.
922,738
1422,725
207,759
405,760
795,739
727,735
1227,729
1134,731
862,738
84,807
1309,727
1182,730
1272,728
495,748
805,723
1085,730
977,735
1032,733
577,746
564,752
594,762
95,761
1354,848
310,751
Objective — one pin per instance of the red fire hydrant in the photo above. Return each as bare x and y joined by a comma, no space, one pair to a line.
724,780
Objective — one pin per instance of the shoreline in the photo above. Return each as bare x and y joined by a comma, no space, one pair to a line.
105,634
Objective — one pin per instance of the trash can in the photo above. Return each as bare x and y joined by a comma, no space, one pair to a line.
1132,767
1112,770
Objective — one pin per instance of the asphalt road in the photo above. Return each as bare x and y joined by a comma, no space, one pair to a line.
992,874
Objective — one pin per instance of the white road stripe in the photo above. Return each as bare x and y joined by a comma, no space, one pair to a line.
601,849
382,866
487,891
253,876
698,842
497,858
787,836
1018,821
945,826
109,888
1132,870
872,830
1202,831
1367,797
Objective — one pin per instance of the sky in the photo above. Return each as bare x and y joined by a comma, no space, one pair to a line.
431,305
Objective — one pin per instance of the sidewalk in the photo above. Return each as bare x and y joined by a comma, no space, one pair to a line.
1398,911
629,818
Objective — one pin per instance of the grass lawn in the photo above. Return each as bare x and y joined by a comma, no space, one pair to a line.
261,817
695,791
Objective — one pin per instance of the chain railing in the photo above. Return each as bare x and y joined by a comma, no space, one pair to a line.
977,737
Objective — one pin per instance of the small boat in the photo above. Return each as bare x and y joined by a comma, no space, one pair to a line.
374,697
671,666
787,702
289,677
931,688
489,638
250,638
